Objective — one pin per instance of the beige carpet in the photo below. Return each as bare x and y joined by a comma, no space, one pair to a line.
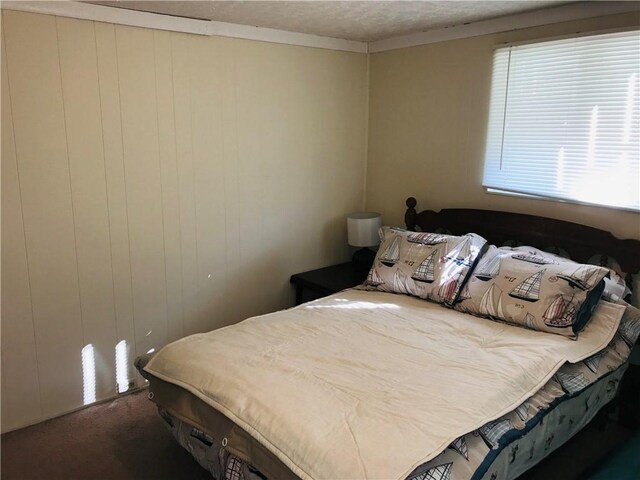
121,439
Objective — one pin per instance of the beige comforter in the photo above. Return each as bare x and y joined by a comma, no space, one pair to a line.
369,384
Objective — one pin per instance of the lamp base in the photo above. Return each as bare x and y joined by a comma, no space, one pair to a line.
363,259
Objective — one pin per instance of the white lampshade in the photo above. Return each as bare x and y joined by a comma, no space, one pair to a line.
362,229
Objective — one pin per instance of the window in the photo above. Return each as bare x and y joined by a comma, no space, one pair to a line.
564,120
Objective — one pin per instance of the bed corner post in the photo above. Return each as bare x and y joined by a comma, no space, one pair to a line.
410,214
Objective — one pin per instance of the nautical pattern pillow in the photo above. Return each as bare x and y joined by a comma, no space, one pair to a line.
615,288
538,290
432,266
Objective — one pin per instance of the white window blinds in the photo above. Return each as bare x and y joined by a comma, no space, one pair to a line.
564,120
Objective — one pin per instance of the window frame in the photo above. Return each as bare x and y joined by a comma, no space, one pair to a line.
533,196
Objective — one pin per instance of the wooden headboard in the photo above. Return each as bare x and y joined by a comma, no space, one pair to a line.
500,228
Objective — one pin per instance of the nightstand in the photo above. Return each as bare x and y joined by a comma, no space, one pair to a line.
326,281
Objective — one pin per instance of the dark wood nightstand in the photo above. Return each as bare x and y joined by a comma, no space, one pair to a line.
325,281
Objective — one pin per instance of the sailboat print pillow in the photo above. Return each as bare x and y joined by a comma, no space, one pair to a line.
535,289
432,266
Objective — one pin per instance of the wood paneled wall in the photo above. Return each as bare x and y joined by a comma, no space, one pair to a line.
158,184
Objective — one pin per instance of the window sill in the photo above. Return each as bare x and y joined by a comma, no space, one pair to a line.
497,191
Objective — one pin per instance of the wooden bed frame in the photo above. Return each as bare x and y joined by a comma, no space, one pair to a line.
499,228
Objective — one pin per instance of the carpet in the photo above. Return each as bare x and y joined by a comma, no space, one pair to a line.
120,439
624,465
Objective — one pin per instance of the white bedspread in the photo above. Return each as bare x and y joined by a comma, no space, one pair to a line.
369,384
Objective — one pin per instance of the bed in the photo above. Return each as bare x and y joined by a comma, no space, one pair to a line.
355,385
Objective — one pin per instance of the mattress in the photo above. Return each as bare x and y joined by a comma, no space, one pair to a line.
328,385
211,436
505,455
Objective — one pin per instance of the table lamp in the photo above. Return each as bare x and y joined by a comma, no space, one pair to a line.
362,231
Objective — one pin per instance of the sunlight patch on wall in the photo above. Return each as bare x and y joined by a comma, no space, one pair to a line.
122,360
88,374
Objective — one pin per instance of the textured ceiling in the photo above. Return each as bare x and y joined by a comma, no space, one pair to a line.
364,21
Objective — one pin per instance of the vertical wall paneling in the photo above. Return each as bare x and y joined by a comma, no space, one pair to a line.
6,412
81,94
347,144
160,184
137,75
300,144
208,150
233,290
116,189
169,177
255,74
184,147
43,168
280,121
21,403
321,153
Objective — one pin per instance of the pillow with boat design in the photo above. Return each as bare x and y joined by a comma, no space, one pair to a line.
432,266
535,289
